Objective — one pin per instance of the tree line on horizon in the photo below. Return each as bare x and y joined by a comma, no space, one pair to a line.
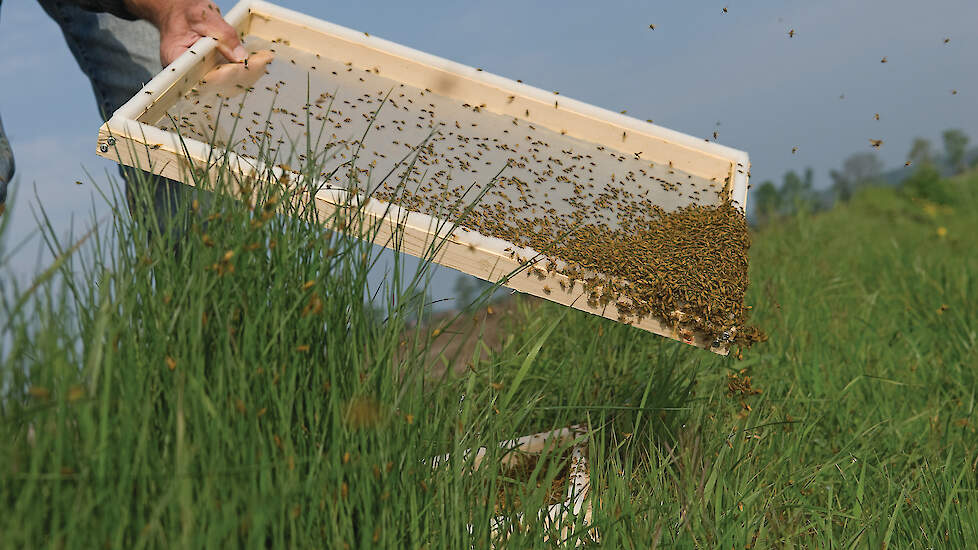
924,166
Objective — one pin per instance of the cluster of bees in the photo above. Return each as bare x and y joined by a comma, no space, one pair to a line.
643,235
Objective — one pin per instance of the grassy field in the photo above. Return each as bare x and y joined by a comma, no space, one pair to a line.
238,391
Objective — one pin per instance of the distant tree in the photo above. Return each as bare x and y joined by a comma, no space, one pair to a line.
841,185
765,201
925,183
857,170
796,193
955,144
809,178
468,289
921,152
863,168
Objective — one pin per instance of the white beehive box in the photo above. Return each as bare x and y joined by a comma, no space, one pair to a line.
562,517
336,82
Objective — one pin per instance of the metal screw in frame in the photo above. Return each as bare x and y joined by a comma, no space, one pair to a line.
105,146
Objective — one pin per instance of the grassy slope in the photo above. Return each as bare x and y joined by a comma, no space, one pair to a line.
864,433
178,431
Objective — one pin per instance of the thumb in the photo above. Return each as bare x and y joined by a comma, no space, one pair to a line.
228,42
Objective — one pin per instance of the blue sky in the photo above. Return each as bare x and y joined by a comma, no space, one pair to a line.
699,67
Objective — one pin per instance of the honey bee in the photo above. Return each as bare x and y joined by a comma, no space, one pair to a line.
546,289
652,27
876,143
883,60
724,9
908,163
954,92
946,40
794,149
876,116
791,33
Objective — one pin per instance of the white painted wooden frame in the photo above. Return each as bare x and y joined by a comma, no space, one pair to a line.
130,138
576,503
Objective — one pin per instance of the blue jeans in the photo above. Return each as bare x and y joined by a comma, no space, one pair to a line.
118,56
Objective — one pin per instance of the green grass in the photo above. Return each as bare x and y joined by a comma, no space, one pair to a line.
152,398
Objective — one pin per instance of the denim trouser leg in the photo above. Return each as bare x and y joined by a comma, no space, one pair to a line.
6,162
6,166
118,56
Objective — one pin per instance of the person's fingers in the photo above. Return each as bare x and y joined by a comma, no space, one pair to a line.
228,43
185,26
172,45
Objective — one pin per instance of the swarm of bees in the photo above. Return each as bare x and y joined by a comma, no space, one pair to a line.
643,236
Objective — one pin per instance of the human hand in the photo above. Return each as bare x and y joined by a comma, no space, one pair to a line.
183,22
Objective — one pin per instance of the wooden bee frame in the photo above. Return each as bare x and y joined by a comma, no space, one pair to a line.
576,504
133,137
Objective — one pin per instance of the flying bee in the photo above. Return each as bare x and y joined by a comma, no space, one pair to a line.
876,116
791,33
794,149
946,40
883,60
724,9
652,27
876,143
908,163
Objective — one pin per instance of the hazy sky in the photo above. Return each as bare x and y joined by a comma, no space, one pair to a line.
700,67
